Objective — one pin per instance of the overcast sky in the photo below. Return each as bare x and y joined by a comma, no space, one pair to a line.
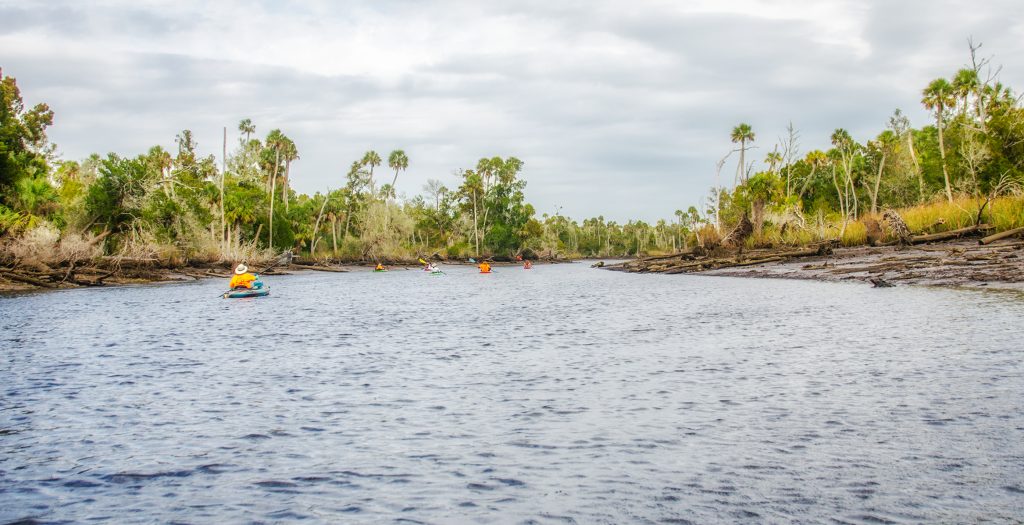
619,108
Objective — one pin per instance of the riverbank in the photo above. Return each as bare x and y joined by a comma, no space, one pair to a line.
115,271
952,263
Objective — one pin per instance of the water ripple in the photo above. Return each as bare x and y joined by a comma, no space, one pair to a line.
559,395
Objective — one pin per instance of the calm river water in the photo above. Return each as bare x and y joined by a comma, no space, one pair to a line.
556,395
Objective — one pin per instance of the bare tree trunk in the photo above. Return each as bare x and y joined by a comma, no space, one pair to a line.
476,228
316,227
223,174
917,167
839,194
273,189
942,155
807,183
287,182
334,235
789,151
878,183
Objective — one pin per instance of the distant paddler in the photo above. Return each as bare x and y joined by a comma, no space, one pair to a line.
527,265
380,268
485,267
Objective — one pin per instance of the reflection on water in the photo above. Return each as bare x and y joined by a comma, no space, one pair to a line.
555,395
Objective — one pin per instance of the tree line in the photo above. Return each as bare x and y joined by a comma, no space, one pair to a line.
181,204
971,153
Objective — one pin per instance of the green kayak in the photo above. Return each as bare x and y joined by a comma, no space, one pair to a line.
242,293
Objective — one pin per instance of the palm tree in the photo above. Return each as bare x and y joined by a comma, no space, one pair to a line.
964,84
773,159
742,134
163,161
246,126
289,152
371,159
937,97
398,162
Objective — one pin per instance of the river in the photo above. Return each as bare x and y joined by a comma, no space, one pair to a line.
560,394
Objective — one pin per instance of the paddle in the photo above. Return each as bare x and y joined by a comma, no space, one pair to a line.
432,271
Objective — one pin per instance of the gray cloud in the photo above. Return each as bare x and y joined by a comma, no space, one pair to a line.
617,108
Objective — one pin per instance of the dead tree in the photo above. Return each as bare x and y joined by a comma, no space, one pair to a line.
897,226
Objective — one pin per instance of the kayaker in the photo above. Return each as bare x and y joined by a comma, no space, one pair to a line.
527,265
379,268
485,267
242,278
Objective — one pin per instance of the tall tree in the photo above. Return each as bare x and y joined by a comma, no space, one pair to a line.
290,153
22,136
937,97
846,149
790,150
742,134
247,127
371,159
880,148
964,84
773,160
397,161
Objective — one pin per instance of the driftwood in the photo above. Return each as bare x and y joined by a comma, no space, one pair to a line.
897,225
880,283
687,262
946,236
1008,233
27,280
739,234
318,268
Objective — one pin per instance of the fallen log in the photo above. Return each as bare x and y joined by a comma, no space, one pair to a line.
945,236
27,280
316,268
753,262
1008,233
95,282
666,257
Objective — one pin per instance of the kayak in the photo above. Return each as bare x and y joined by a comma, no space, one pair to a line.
379,271
437,273
242,293
488,271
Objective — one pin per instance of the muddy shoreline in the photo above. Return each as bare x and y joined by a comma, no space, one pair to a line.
25,278
962,263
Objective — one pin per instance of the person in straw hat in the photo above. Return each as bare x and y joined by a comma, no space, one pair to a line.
242,278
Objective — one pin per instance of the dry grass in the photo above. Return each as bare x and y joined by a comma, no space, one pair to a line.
43,245
708,236
1003,213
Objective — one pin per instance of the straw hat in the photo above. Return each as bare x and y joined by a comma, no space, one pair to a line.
240,269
